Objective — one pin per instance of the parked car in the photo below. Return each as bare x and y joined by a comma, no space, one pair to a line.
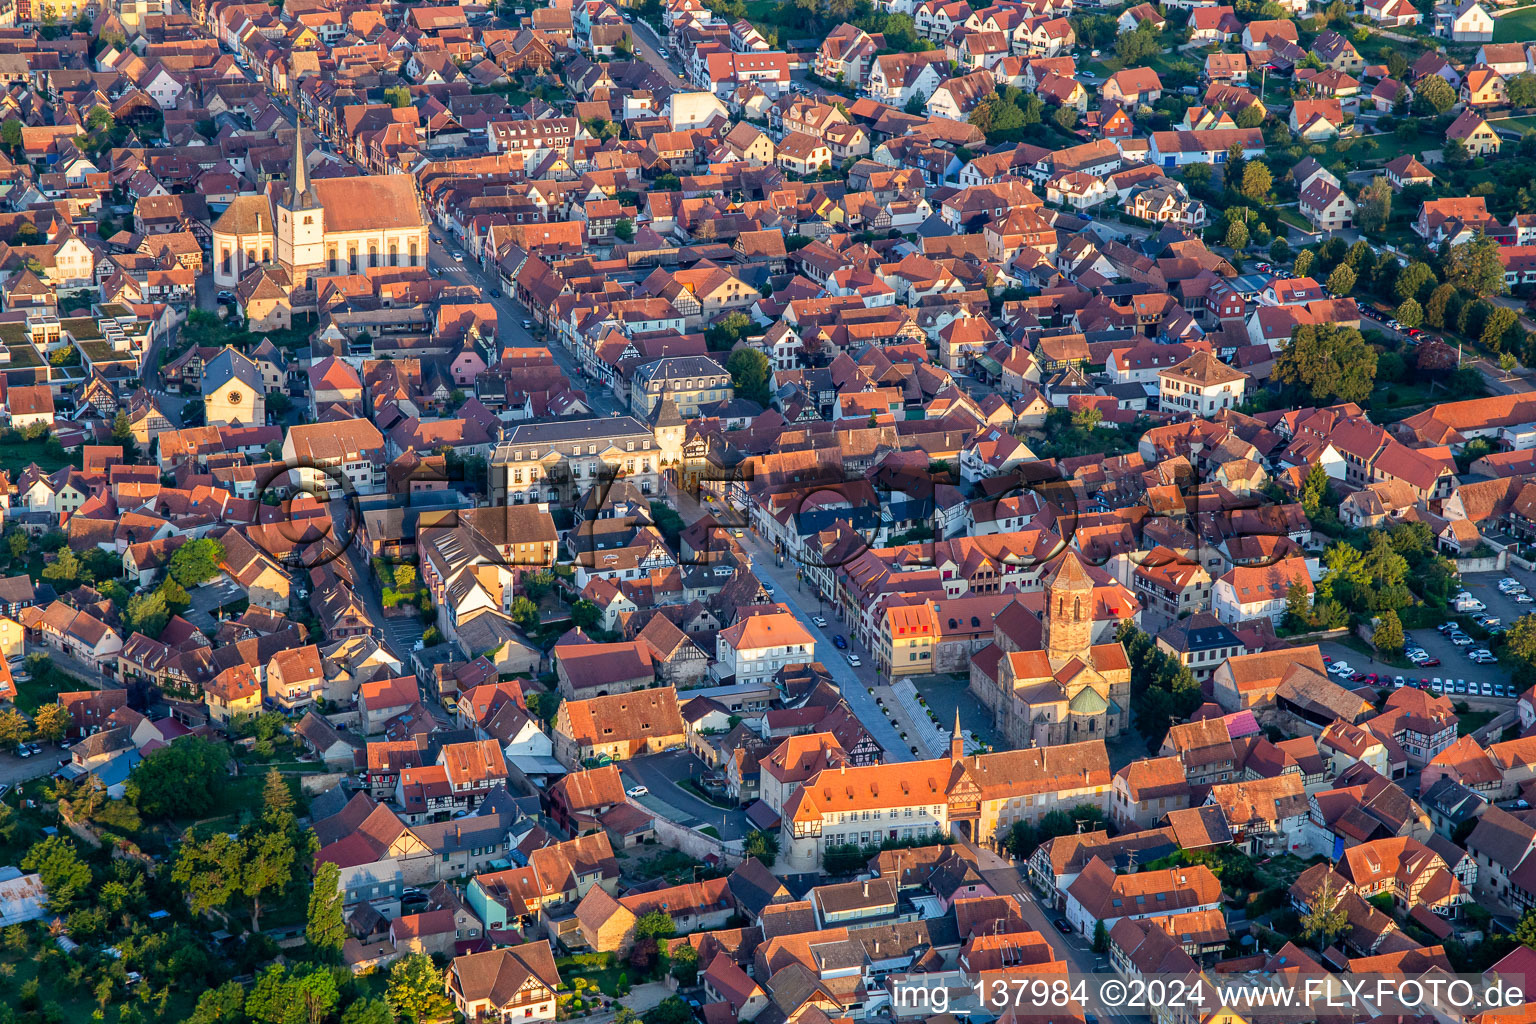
840,642
1398,682
1487,689
820,622
855,660
1430,662
1063,925
636,791
1339,668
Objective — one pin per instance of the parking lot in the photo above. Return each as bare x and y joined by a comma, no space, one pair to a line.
1454,663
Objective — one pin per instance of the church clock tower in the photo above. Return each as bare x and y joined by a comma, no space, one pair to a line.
300,220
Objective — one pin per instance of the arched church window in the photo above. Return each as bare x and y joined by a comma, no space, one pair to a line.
266,255
413,252
1077,609
394,254
373,255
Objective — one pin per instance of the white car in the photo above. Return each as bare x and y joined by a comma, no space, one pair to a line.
1340,668
636,791
819,622
855,660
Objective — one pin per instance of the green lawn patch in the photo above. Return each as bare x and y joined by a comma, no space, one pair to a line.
1517,27
16,453
1524,124
1294,218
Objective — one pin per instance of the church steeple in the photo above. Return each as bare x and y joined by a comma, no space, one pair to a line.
957,741
299,196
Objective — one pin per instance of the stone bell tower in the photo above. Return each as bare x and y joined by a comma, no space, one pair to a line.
1068,610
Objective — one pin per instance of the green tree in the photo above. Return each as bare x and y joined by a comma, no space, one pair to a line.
728,330
1298,609
671,1010
277,802
1474,266
524,612
1521,90
1279,251
1501,321
398,96
1520,650
14,729
209,871
64,571
1326,919
1303,263
762,845
1100,937
1409,313
196,561
10,134
1328,363
60,869
1135,47
1249,117
624,230
749,372
222,1005
266,863
1314,490
1388,636
182,780
51,722
1237,234
655,924
1439,305
368,1011
1342,281
585,614
685,964
1257,181
1432,97
307,995
1374,205
1415,280
147,613
1065,117
324,925
415,990
122,434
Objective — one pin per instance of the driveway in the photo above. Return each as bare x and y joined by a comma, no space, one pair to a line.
16,770
660,774
207,600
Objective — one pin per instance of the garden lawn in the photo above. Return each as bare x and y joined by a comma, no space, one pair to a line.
15,455
1517,27
1524,124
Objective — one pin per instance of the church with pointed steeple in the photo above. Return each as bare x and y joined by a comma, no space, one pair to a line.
1059,685
309,227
